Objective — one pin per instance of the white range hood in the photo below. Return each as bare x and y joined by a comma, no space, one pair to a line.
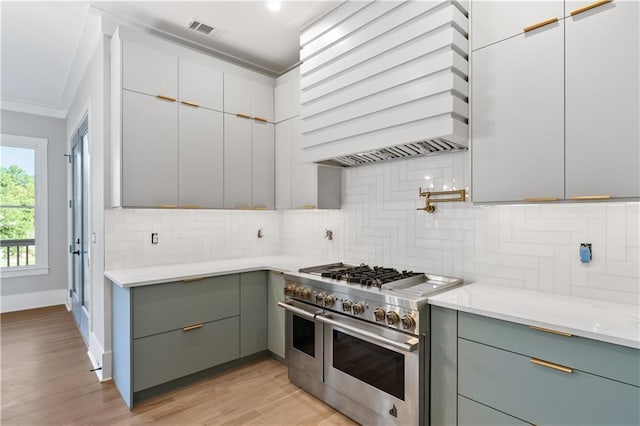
384,80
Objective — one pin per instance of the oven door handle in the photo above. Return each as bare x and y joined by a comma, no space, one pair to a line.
299,311
405,346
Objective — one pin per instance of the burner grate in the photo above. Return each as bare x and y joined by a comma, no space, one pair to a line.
366,275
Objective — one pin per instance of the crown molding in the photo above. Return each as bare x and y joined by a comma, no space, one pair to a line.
27,108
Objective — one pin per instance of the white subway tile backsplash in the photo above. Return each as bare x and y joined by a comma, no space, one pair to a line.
528,245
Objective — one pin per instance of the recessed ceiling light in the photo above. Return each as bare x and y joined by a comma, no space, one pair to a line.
273,5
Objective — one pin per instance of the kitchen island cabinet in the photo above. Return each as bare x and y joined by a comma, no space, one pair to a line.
491,371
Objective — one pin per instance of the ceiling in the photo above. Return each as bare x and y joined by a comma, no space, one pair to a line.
43,62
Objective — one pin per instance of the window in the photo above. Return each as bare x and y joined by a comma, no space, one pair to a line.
23,206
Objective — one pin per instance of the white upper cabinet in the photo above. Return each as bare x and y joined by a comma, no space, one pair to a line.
517,118
200,84
497,20
287,96
263,166
602,100
238,177
248,98
149,71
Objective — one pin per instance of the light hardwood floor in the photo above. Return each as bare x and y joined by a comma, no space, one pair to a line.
45,380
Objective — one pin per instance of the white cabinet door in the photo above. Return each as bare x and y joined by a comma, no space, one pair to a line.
282,102
149,151
149,71
237,162
304,176
263,160
200,84
602,95
237,95
283,165
262,101
496,20
200,158
517,118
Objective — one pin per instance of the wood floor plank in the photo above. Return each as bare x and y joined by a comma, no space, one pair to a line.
45,380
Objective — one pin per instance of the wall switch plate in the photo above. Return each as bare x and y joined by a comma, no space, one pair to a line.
154,238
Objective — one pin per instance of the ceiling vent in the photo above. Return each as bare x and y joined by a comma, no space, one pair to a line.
198,26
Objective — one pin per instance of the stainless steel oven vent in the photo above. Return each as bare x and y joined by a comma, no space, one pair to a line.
425,147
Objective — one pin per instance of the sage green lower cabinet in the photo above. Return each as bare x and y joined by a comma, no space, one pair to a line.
471,413
444,366
167,356
253,312
275,314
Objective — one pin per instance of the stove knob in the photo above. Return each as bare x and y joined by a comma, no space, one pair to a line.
379,314
392,317
305,293
358,308
346,305
289,289
320,298
408,321
297,291
329,301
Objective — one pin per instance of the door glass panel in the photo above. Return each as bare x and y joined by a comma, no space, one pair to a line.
85,220
304,336
380,367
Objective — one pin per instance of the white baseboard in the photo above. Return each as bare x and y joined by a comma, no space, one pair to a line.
38,299
99,358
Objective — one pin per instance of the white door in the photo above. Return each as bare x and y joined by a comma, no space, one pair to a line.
80,222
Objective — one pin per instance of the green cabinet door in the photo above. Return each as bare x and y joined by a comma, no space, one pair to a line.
253,312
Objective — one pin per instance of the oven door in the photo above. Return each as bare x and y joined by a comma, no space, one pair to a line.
303,336
376,367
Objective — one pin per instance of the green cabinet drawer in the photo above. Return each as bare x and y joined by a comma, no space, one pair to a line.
511,383
470,413
163,357
172,306
603,359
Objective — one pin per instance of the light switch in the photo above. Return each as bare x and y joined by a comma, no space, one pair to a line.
154,238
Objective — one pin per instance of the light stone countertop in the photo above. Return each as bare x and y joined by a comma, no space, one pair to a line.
610,322
135,277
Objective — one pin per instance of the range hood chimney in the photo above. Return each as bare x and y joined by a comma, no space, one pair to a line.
384,80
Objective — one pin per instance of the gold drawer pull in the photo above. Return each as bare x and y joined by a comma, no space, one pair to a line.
166,98
260,208
166,206
591,197
552,365
243,115
548,330
589,7
540,199
540,24
191,104
190,206
190,280
262,119
308,206
192,327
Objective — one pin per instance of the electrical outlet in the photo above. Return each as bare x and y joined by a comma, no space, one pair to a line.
585,253
154,238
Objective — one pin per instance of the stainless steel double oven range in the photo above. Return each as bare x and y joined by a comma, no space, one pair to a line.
357,338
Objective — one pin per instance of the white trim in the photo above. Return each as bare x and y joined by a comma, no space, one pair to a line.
39,145
23,271
27,108
99,358
38,299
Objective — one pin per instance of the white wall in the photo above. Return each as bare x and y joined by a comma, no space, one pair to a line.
50,289
91,99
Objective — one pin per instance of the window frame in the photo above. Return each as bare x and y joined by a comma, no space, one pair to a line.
39,145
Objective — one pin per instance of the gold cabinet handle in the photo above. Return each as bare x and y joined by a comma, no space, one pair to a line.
192,327
190,280
552,365
191,104
243,115
548,330
261,119
540,24
166,98
308,206
589,7
540,199
190,206
591,197
166,206
260,208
